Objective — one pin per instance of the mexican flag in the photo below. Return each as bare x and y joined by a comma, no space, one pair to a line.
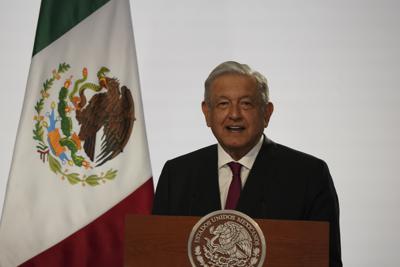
81,159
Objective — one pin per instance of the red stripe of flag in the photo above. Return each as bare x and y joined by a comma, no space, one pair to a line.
101,242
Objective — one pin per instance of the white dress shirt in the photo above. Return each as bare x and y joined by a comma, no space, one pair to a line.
225,173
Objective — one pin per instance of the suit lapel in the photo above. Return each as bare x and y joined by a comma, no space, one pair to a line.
205,187
253,199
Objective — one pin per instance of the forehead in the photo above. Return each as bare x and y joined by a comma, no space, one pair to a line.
234,85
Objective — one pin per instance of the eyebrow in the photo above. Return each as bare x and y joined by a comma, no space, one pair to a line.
225,97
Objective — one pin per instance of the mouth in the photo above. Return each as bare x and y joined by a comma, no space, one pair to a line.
235,128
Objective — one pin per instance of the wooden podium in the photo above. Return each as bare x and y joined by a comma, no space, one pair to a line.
162,241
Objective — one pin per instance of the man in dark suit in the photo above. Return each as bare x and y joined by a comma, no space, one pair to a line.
274,181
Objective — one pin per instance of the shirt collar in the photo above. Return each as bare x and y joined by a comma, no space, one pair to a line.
247,160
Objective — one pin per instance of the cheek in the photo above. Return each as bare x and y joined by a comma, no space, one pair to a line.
256,120
218,117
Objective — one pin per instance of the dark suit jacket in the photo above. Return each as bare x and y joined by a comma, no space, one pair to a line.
282,184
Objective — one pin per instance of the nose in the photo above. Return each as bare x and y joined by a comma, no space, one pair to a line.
234,112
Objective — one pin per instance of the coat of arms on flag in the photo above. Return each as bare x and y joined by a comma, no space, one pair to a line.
67,123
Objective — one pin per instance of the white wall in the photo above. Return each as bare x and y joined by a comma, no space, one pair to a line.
333,68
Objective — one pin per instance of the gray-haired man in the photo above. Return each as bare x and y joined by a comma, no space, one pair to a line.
275,182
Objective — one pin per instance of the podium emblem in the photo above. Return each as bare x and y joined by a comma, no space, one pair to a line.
226,238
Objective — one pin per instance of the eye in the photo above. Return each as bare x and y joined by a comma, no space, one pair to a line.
222,104
246,104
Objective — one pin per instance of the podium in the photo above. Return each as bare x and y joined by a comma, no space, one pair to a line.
162,241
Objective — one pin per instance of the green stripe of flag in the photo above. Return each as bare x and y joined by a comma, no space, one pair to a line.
56,17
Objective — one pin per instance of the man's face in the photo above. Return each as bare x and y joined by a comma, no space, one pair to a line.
236,113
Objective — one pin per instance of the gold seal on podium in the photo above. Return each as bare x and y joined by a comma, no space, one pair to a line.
226,238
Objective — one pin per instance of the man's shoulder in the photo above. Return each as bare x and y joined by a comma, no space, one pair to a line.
288,154
289,162
197,155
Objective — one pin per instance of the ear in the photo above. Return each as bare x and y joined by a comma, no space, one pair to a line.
269,109
206,111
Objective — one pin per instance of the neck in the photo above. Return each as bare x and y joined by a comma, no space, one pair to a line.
237,154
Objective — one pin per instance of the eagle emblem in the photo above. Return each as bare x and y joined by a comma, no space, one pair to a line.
112,110
84,124
226,238
230,239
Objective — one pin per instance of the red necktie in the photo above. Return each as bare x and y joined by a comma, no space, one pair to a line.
235,187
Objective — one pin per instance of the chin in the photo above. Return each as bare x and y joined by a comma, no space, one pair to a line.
235,146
